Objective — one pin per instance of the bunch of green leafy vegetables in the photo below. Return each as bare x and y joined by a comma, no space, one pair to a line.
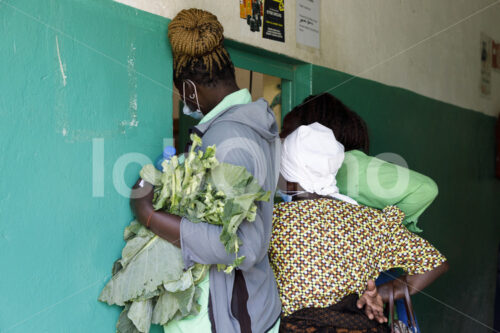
149,280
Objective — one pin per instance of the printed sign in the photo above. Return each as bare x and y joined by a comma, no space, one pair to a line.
308,23
274,20
485,65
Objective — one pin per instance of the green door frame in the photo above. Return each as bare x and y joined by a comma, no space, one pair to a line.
296,75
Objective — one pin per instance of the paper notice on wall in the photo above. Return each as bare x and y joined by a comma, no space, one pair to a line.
308,22
485,47
274,20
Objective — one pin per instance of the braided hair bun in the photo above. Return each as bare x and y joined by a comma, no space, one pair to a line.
196,35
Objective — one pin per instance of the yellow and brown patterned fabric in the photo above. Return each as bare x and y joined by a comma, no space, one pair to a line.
323,250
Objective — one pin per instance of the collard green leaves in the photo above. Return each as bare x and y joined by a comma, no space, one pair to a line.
156,263
151,282
149,279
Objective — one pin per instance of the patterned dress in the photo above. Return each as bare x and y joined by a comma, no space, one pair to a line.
323,250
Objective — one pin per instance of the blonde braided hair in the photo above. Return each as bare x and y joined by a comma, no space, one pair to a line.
196,35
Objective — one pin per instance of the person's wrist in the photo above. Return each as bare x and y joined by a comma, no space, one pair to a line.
384,290
148,220
145,213
399,287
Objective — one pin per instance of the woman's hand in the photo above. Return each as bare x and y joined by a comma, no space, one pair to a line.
141,200
372,302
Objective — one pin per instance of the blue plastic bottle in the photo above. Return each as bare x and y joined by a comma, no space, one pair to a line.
167,154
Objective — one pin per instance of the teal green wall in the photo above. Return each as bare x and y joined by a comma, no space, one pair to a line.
456,147
57,241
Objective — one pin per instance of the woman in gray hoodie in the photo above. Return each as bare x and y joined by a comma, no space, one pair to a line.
245,133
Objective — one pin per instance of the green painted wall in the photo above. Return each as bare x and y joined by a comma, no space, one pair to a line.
456,147
57,240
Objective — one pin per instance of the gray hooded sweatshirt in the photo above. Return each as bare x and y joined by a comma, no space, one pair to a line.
244,135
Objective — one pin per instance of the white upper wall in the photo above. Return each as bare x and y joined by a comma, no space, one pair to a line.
427,46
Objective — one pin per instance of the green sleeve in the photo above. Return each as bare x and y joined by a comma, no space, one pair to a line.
378,184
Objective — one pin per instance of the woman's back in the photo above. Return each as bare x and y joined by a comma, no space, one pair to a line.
324,249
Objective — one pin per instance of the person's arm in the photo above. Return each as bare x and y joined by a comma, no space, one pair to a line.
165,225
416,283
378,184
200,242
398,247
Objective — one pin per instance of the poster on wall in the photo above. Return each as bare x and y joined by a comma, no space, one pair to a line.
252,12
485,47
274,20
308,24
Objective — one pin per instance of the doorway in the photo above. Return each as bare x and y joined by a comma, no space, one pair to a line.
259,85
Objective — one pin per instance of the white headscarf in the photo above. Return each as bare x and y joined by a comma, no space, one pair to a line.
311,156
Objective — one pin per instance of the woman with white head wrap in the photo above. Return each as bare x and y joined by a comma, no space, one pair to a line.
325,248
311,157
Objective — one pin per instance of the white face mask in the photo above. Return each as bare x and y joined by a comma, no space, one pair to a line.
197,114
193,114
